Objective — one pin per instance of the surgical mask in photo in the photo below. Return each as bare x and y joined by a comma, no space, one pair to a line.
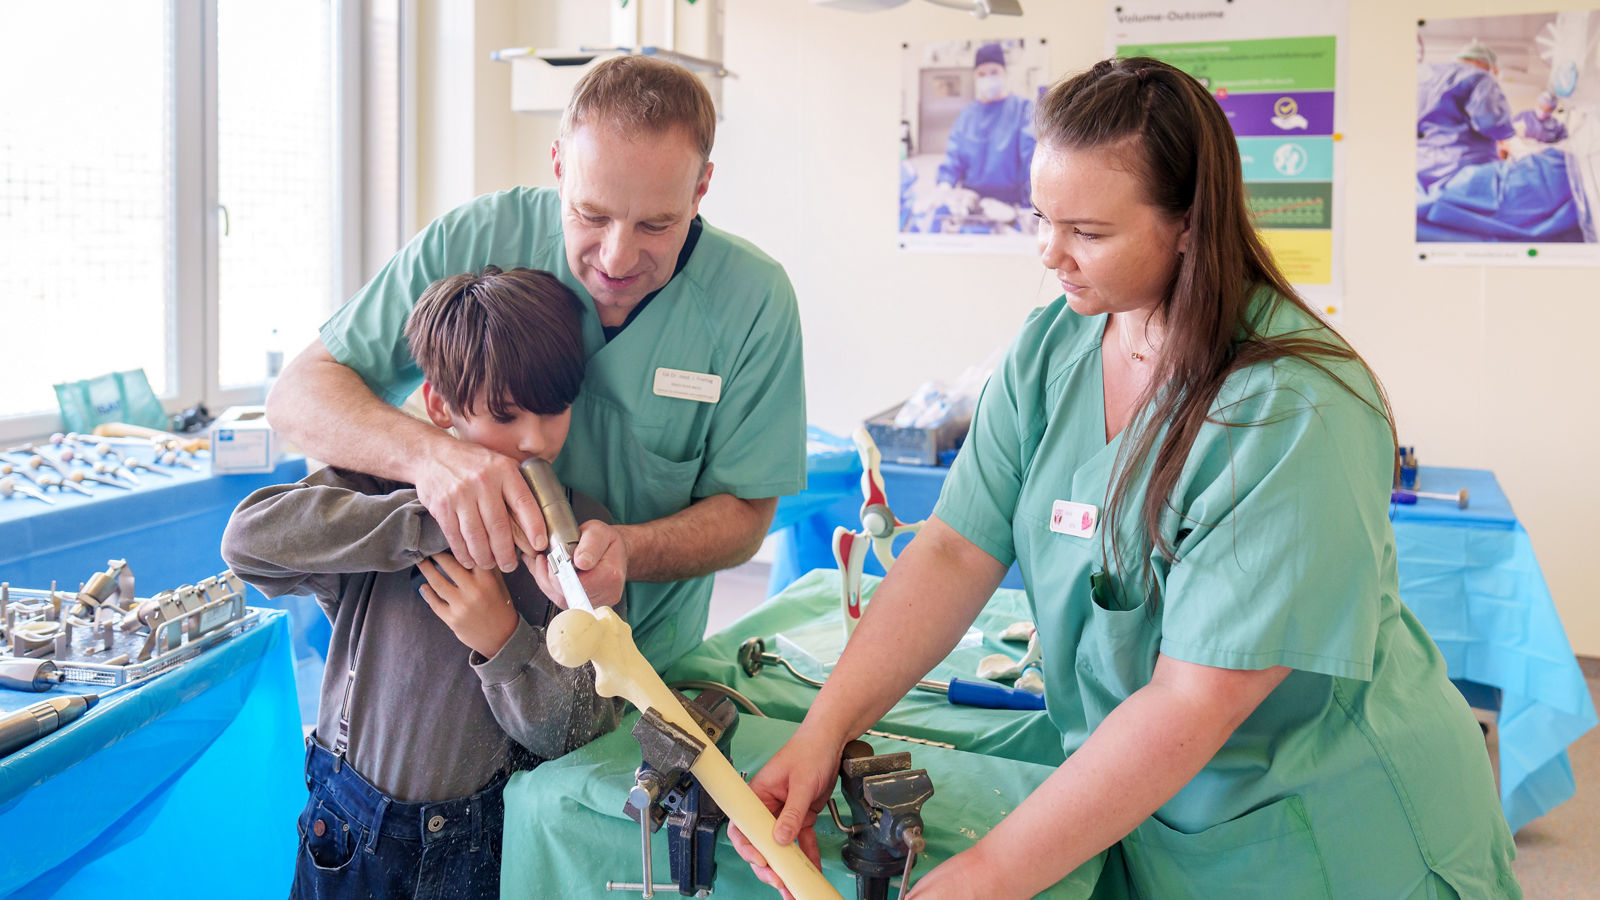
989,88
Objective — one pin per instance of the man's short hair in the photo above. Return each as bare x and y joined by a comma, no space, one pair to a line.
638,94
512,339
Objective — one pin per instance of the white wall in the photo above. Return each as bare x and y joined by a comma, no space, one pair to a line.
1486,367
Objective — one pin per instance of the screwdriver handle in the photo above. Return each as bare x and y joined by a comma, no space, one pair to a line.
992,696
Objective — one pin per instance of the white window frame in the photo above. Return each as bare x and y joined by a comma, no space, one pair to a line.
192,365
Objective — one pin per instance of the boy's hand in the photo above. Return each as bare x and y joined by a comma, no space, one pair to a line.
602,562
473,602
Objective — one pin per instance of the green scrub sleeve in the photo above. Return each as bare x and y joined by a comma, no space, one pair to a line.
756,444
1291,552
979,498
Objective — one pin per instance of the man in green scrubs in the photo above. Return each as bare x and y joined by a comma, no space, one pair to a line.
691,421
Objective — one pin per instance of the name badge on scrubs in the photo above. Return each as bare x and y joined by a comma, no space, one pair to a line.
701,386
1074,519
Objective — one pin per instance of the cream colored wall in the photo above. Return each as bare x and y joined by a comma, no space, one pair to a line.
469,141
1486,367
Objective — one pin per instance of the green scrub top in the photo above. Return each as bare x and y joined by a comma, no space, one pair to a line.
730,312
1364,774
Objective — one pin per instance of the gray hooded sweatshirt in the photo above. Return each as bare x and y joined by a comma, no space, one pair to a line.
429,719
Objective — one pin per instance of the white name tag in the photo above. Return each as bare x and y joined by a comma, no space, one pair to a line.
683,385
1073,519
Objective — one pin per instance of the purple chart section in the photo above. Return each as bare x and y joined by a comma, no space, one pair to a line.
1288,113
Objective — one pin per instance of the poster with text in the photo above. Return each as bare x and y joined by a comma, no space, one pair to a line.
966,143
1508,139
1276,70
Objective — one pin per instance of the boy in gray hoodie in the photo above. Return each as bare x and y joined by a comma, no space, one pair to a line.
438,683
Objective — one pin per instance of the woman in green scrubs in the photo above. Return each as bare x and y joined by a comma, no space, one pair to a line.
1192,472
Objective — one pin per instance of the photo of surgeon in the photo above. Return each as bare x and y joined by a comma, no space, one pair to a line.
967,136
1506,133
1540,123
1462,113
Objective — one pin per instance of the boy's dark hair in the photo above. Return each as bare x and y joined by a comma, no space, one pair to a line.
514,338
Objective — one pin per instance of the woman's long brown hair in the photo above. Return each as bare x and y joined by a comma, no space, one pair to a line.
1184,152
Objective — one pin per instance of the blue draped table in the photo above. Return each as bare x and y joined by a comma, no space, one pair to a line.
193,779
185,786
1469,575
1472,579
170,532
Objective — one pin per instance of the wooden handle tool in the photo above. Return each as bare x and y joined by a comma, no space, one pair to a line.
122,429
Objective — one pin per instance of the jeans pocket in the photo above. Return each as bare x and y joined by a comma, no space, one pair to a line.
327,837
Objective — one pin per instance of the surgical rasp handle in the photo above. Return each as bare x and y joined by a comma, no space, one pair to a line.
561,525
23,727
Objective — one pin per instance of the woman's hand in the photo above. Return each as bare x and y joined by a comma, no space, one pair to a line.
473,602
601,559
961,876
795,785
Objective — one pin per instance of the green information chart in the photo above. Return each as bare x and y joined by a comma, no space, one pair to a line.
1278,94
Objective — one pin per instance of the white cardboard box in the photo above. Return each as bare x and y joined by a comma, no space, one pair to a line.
242,441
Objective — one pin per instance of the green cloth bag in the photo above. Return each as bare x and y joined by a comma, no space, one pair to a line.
115,397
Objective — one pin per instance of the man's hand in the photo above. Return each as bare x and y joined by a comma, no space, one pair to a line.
601,559
473,602
475,495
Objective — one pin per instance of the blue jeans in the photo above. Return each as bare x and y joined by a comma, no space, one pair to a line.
356,841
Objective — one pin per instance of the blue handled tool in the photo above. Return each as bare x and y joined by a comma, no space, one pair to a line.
1408,498
984,694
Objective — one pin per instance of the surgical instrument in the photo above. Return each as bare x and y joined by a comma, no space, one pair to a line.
114,471
1409,498
140,465
9,485
50,479
750,707
753,656
80,477
26,725
27,674
562,527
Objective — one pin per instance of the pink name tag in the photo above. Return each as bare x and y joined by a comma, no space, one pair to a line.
1073,519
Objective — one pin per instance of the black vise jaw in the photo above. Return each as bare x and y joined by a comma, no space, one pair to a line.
666,793
885,796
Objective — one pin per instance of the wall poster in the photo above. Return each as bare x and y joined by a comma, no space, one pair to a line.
966,142
1508,139
1277,70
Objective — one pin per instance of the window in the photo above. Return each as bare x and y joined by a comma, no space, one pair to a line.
278,255
184,191
87,220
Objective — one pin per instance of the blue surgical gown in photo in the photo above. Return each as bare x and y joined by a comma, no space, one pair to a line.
1547,130
1461,114
990,149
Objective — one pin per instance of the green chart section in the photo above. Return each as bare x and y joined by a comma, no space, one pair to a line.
1267,64
1289,204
